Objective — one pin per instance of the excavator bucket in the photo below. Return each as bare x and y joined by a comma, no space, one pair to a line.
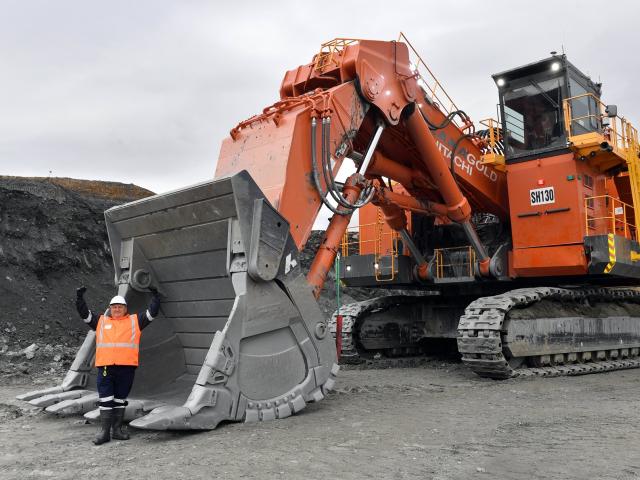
239,336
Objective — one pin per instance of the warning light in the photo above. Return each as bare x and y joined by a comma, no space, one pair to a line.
540,181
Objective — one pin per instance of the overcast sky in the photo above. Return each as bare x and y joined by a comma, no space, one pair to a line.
144,91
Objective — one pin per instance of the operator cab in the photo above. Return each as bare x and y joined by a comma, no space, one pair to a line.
531,107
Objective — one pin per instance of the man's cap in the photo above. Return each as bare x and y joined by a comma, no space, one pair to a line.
118,300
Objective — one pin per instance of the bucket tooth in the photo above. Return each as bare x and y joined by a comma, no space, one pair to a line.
92,415
239,336
53,398
164,418
27,397
139,408
76,406
78,376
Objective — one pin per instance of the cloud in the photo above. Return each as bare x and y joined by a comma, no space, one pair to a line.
144,92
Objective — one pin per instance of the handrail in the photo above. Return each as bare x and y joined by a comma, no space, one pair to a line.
470,257
494,133
615,132
633,164
429,82
378,237
329,49
617,219
620,137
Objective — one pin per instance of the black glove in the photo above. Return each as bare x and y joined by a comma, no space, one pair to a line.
154,306
81,306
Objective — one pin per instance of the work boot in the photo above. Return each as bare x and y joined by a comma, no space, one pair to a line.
104,434
117,431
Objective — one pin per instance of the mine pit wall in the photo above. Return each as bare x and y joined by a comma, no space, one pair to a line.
52,240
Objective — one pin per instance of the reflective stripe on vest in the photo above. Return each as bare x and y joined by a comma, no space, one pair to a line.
117,341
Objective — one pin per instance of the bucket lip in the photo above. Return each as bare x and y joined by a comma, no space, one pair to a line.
164,194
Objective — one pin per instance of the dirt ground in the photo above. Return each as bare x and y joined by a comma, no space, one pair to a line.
436,421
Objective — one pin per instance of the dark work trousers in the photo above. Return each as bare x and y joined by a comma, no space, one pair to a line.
114,385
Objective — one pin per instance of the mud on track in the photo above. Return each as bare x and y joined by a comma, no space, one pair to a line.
434,421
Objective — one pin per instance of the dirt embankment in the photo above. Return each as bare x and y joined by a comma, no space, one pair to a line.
52,239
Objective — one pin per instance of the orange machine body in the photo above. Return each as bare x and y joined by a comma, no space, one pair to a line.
548,236
363,100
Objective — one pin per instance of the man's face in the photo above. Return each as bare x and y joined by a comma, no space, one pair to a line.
118,310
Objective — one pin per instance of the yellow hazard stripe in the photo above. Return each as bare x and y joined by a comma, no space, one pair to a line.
612,253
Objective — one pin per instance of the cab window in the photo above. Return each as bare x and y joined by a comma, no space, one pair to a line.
533,115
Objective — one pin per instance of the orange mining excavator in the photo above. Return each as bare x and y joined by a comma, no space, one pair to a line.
516,237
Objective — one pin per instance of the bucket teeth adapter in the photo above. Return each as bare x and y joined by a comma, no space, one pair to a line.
239,336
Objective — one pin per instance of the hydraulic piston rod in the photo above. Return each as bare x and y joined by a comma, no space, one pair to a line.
458,206
372,147
408,241
326,254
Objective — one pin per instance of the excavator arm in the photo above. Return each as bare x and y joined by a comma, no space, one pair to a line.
365,100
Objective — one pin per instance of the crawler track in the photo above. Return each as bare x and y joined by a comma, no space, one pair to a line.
354,318
482,332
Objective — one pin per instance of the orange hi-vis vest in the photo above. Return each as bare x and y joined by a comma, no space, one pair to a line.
117,341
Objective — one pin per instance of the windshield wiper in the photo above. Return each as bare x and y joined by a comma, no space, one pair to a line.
545,95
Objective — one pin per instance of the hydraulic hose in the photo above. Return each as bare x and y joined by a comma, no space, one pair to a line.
449,118
463,115
326,167
314,171
327,171
329,180
455,149
332,189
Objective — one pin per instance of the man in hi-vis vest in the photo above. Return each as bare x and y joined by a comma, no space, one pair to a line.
117,345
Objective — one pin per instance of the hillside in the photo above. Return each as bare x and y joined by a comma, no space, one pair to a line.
52,239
